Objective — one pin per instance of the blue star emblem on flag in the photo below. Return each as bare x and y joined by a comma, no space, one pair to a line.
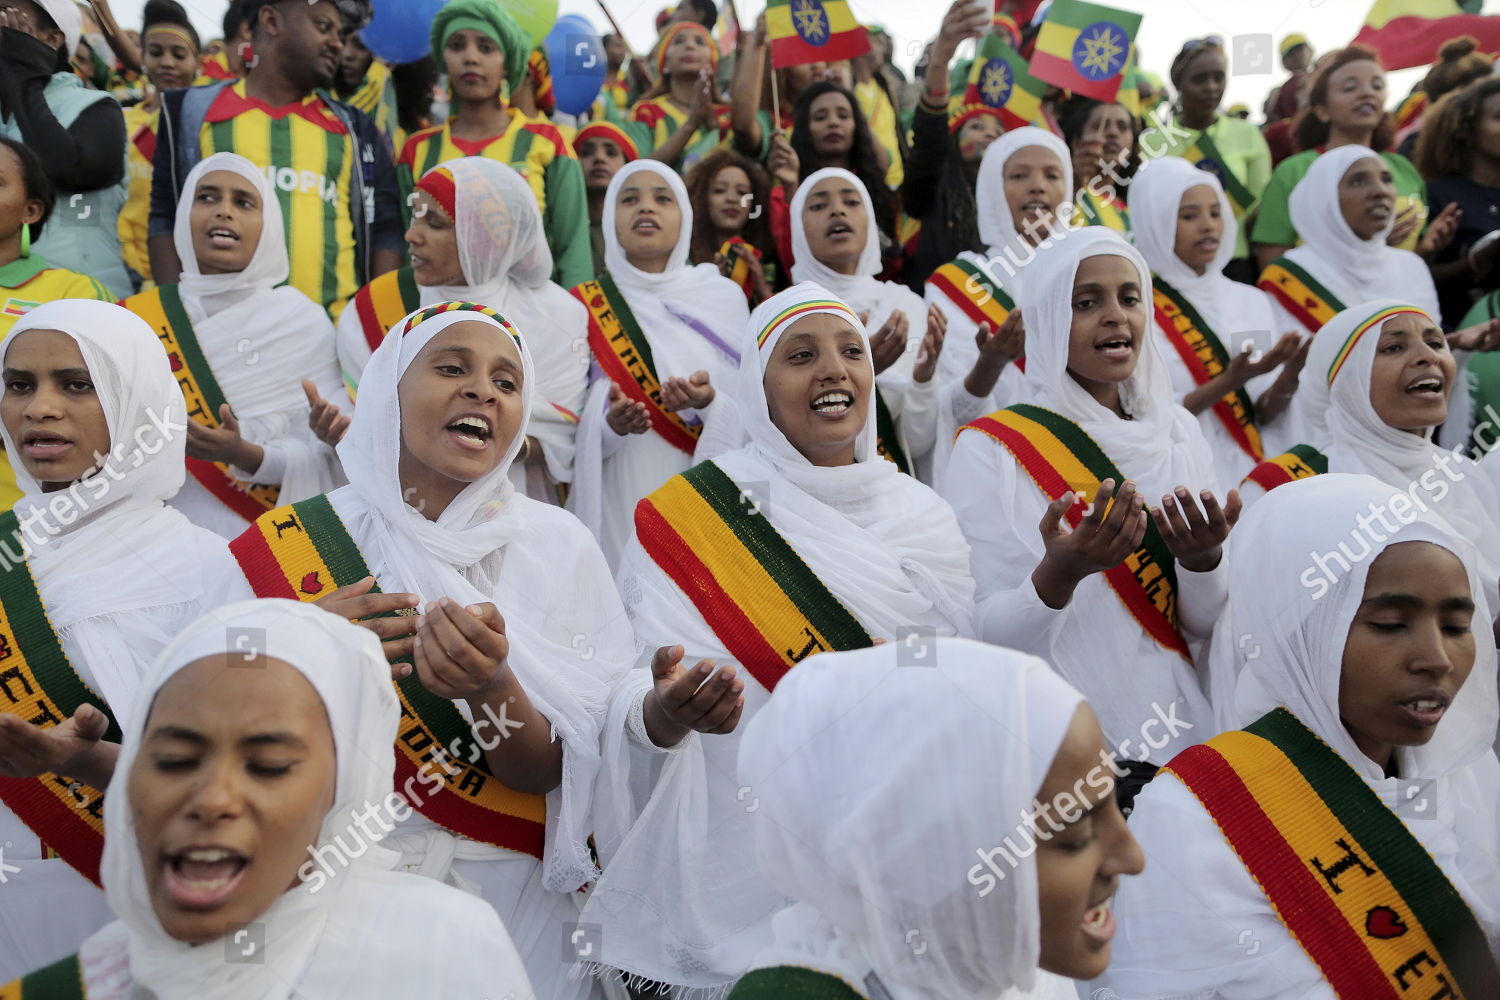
1101,50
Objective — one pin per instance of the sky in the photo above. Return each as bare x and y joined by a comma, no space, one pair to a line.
1167,23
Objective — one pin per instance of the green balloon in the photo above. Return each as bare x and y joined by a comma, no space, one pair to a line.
535,17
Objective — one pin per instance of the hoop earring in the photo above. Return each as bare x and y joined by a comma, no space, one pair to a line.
525,451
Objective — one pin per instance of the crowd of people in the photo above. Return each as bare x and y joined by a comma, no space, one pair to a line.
789,531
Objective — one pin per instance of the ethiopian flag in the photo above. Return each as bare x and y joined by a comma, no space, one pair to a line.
1409,33
804,31
1084,47
999,79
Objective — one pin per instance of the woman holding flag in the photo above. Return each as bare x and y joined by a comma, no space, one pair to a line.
663,334
824,545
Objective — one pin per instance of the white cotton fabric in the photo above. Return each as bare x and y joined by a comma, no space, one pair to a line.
507,265
673,309
261,338
1005,259
81,545
1094,641
912,404
1240,315
680,901
65,15
1355,270
1196,923
326,939
873,836
569,638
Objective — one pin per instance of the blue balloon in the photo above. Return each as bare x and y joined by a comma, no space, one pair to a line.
399,32
576,55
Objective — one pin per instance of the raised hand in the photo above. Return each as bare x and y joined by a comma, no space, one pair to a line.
223,443
460,652
1480,337
626,416
683,700
396,632
889,341
1196,537
1103,538
931,347
691,393
1406,224
27,751
1440,231
324,417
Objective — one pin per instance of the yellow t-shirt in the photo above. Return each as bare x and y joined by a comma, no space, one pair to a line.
140,146
881,115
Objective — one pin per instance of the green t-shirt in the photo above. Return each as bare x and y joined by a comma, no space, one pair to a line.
1273,226
1241,147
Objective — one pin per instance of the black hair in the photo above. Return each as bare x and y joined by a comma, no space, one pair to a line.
1073,115
234,16
861,152
354,13
38,184
168,12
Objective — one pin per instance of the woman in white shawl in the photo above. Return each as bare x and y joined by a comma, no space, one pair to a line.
1185,228
520,635
1023,196
477,236
1374,640
836,244
1344,208
665,336
875,838
1380,375
243,337
94,424
1114,628
869,553
270,765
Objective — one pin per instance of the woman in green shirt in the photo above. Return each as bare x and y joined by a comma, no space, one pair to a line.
1346,107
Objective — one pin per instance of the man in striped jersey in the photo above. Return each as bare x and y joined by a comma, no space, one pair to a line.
327,161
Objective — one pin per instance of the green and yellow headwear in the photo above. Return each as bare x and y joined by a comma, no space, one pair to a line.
491,20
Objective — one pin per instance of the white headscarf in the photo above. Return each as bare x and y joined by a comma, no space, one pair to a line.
1359,441
996,226
1355,270
65,15
261,338
503,252
492,544
1298,632
835,799
1160,446
309,927
1156,194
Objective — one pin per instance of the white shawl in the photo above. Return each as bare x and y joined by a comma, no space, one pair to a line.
1221,937
506,264
320,938
1240,315
1094,641
261,338
692,316
120,573
912,403
679,901
873,836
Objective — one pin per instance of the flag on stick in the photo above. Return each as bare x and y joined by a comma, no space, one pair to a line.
1084,47
804,31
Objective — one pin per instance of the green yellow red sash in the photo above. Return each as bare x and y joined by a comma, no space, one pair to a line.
1300,293
1301,462
622,351
1110,213
303,552
384,302
1059,456
970,287
38,684
758,595
887,443
60,981
1204,154
161,307
1361,895
1206,357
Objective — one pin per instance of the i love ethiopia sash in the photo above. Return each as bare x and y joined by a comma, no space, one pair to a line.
970,288
38,684
162,309
1206,357
622,351
303,552
1301,462
1299,293
384,302
761,599
1360,894
1059,456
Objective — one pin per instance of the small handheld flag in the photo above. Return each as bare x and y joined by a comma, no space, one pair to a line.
804,31
999,79
1084,47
